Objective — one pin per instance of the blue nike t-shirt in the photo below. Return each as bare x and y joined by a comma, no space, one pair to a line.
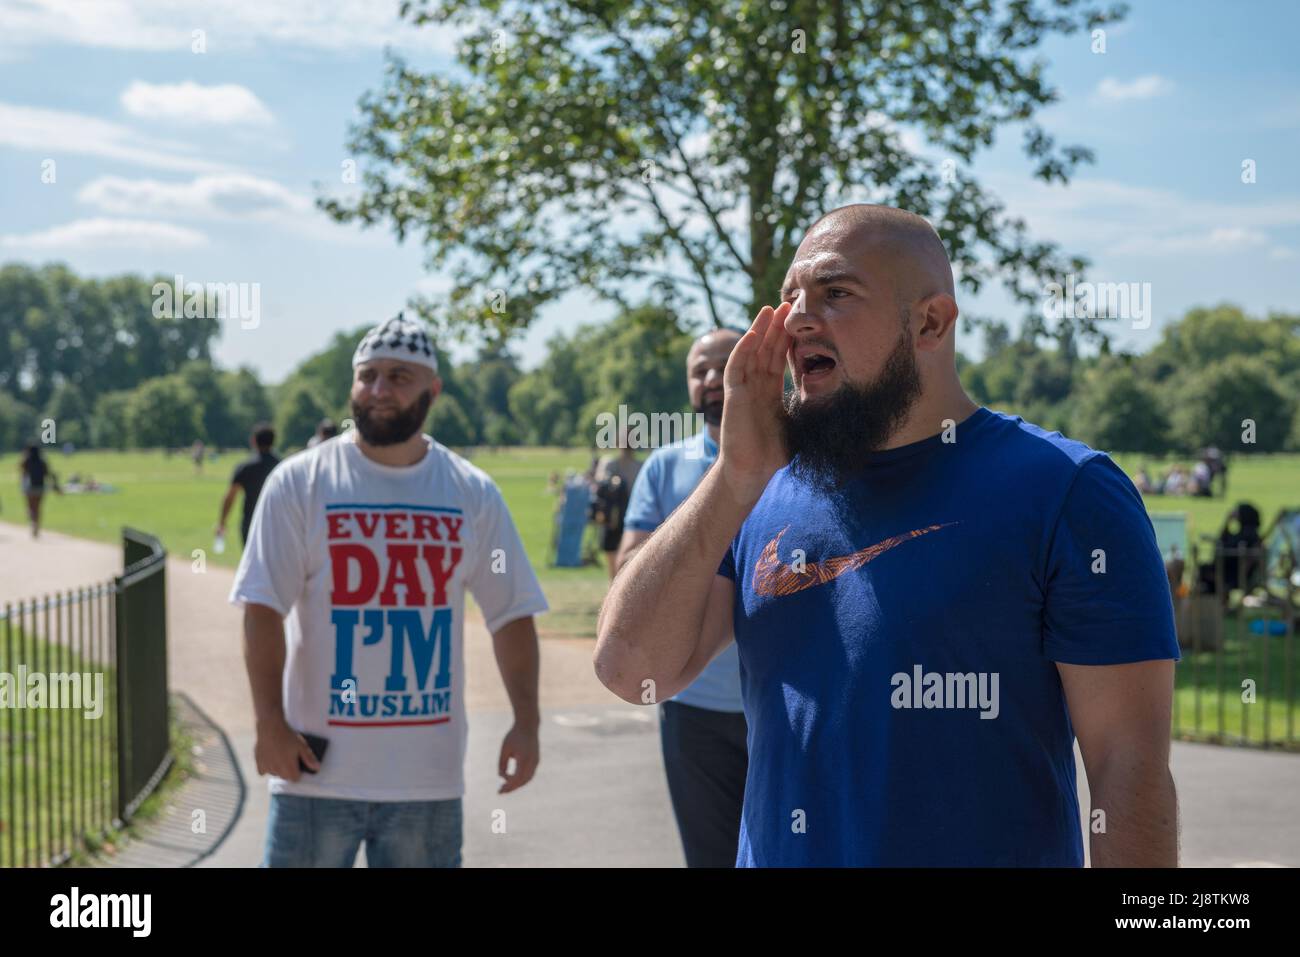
898,646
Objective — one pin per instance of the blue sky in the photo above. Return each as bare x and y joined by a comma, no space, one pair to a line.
205,164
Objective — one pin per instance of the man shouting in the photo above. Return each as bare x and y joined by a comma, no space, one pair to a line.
353,583
930,600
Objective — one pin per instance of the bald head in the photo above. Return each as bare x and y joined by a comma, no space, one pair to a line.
868,284
724,338
901,242
705,363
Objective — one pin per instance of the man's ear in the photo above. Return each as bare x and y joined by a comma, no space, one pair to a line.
938,317
435,387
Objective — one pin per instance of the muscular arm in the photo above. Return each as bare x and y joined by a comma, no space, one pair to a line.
668,612
633,539
1121,717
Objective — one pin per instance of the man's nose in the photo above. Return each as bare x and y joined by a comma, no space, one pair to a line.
799,319
713,379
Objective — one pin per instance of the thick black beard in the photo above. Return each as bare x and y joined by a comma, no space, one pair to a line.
396,430
826,438
712,412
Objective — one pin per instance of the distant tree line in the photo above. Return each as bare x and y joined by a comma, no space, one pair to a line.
1214,377
91,355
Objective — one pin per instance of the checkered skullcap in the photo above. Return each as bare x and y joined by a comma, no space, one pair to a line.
397,338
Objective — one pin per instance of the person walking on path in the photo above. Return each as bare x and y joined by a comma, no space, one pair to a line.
36,474
353,584
250,475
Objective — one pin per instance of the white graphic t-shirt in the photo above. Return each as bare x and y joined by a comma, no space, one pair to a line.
370,563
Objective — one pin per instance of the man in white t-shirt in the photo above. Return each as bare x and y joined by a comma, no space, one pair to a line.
353,583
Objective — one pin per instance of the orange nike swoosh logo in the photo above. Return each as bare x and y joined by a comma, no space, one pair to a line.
773,577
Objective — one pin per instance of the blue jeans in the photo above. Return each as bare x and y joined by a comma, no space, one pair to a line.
326,832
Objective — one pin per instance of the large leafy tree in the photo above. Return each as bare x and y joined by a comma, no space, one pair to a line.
636,360
248,401
61,331
298,410
164,412
1119,411
1214,406
1207,335
605,144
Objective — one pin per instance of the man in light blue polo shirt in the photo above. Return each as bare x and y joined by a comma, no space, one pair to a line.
702,728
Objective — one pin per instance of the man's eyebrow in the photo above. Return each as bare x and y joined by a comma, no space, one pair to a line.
828,278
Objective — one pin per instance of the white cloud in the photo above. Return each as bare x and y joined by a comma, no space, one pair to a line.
225,196
224,104
56,133
236,198
1142,88
1236,236
231,24
1106,218
1222,239
99,233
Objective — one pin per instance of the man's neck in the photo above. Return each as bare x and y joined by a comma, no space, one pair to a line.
405,453
932,414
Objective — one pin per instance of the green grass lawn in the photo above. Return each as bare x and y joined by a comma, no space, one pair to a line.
1269,482
1208,702
56,765
165,496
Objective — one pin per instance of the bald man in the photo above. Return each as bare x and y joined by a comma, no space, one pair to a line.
930,600
702,727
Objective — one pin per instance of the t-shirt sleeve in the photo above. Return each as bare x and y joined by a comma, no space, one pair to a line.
273,569
240,474
645,511
502,581
728,567
1107,595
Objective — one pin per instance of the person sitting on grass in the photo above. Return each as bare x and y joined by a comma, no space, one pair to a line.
1235,550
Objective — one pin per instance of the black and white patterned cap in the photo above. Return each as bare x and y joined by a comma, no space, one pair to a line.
397,338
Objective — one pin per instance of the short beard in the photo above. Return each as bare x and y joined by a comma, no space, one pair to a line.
828,437
712,412
396,430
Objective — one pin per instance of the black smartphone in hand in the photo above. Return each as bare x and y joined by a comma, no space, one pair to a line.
317,745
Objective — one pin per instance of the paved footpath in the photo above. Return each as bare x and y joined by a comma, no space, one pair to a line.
599,797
